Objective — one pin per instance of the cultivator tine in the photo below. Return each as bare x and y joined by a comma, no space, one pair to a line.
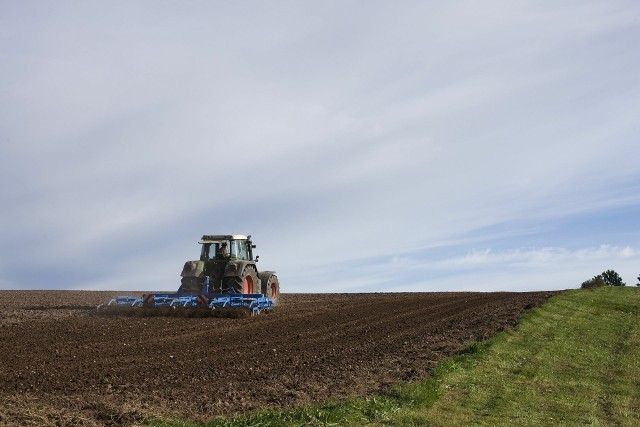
124,301
253,303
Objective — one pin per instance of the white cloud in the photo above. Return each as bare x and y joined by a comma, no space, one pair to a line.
331,132
551,268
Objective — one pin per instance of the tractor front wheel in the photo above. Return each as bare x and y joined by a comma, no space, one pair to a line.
270,286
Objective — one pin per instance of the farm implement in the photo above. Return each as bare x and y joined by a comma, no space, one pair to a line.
223,282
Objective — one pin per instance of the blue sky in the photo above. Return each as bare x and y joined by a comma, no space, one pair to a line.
367,146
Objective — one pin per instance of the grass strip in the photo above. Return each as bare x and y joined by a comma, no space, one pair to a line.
574,361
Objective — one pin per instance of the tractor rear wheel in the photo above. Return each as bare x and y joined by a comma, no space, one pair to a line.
246,283
270,286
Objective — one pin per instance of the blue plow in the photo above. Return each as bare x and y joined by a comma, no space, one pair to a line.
253,304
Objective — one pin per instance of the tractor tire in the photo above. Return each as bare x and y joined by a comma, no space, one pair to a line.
229,286
270,286
250,281
246,283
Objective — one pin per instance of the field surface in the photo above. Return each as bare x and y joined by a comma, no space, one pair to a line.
61,364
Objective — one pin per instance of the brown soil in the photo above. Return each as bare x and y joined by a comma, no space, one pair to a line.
60,364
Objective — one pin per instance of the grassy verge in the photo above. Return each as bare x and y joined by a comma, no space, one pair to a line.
574,361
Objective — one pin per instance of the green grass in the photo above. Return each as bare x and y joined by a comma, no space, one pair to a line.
574,361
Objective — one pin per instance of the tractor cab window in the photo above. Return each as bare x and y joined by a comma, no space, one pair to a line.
224,249
240,249
220,249
204,254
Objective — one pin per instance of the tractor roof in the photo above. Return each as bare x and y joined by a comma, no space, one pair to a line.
213,238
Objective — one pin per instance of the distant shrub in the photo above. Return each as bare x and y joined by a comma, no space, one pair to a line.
596,282
612,278
607,278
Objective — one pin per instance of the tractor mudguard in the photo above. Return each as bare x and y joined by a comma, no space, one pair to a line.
236,268
193,269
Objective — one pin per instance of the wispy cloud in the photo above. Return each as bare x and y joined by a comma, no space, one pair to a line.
521,269
337,135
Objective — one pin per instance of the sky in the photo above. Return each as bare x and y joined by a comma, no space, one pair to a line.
367,146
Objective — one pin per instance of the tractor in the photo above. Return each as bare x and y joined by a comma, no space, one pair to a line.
225,280
228,261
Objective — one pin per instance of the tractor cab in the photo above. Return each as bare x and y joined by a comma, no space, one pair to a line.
226,247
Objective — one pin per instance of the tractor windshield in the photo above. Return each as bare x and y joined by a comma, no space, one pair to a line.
224,249
220,250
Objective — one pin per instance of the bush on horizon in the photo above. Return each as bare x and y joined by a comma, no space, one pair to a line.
595,282
607,278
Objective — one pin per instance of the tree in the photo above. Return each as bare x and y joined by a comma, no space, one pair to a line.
596,282
612,278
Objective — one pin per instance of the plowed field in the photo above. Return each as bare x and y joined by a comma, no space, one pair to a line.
60,364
